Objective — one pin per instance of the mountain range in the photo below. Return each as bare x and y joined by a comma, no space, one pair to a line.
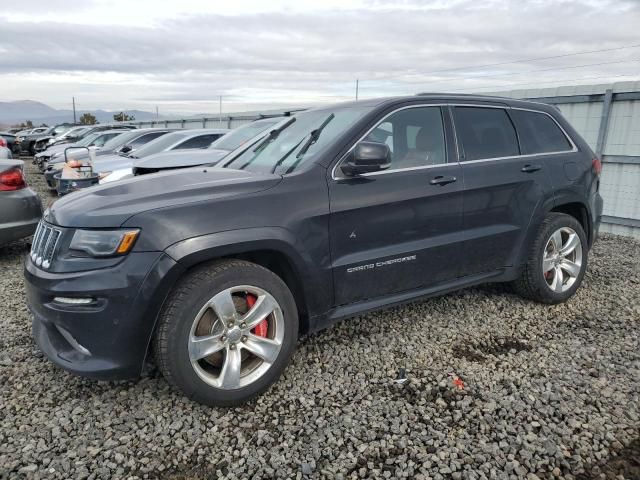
20,111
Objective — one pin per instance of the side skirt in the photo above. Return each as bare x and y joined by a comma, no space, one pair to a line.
380,303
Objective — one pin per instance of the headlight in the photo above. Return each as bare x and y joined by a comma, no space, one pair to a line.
103,243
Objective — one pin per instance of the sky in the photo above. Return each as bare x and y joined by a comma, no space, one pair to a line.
182,55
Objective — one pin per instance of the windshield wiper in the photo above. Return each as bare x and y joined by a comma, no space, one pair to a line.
273,134
313,138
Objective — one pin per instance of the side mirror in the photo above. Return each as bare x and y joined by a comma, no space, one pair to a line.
125,149
367,157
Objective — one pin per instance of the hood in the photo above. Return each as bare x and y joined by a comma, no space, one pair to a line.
56,148
110,205
179,158
109,163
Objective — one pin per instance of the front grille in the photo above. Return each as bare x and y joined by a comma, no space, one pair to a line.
45,241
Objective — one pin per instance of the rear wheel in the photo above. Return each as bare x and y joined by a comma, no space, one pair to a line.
227,332
557,261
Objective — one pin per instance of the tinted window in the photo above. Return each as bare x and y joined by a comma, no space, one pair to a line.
143,139
485,133
539,133
201,141
415,137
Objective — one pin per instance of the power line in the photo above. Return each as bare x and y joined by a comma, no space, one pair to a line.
468,67
535,59
475,89
508,74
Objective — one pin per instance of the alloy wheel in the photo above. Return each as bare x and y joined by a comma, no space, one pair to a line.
236,336
562,259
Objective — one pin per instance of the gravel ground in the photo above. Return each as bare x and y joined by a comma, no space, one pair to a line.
549,392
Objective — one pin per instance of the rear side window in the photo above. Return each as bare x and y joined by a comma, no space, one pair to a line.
143,139
485,133
201,141
539,133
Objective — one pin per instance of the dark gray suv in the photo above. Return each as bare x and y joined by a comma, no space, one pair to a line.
333,212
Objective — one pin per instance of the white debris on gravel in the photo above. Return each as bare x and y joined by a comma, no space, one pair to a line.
549,392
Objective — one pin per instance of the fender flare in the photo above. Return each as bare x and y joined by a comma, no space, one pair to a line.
543,209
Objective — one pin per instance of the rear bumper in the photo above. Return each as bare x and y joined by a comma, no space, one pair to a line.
19,215
108,338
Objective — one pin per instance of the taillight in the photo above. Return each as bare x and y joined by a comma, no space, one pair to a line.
12,180
3,142
597,165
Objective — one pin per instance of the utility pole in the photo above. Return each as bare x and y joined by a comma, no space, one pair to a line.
357,81
157,116
73,99
220,117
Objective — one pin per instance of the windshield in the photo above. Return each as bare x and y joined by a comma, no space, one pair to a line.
74,132
306,134
86,141
159,145
237,137
122,139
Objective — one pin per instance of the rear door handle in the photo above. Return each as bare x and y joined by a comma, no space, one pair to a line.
530,168
442,180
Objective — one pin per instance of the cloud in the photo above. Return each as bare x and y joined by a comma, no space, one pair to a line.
286,52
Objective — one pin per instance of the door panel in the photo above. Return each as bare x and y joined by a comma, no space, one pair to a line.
500,200
400,229
502,188
394,232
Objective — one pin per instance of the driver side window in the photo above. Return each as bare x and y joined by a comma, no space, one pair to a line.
415,137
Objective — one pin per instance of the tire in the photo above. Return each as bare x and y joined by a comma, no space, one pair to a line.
186,323
547,277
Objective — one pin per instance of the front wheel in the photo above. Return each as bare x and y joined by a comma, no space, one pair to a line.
556,262
226,332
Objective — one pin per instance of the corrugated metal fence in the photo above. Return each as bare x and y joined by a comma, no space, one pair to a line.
607,116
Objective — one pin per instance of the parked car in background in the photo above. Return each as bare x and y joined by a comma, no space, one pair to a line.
92,142
5,153
190,158
28,142
217,270
10,142
127,142
120,145
70,135
200,138
20,207
79,133
28,131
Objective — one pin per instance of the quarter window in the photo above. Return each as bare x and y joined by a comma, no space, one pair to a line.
539,133
415,137
202,141
485,133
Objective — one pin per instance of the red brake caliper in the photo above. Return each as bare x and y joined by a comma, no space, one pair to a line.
261,329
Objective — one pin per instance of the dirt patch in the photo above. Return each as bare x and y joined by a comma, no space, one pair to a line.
496,346
623,464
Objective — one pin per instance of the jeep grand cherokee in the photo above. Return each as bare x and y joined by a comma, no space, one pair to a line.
334,212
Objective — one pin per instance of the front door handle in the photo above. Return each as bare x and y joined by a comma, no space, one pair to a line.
442,180
530,168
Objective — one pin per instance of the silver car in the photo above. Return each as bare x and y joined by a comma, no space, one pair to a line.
20,207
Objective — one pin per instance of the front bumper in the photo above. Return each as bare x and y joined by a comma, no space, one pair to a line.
107,339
